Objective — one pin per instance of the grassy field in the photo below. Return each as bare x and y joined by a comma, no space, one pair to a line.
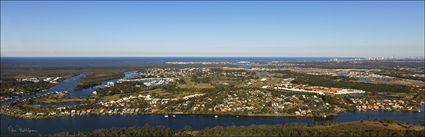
195,85
111,98
55,98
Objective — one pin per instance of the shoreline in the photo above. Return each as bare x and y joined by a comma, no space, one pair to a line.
176,113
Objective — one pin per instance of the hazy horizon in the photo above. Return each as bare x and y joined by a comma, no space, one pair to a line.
212,29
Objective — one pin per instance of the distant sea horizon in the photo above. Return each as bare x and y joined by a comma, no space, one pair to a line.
46,62
28,62
182,57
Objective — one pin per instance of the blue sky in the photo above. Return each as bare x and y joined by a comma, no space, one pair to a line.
287,29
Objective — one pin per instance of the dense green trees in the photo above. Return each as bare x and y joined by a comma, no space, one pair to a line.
358,129
350,129
121,88
145,131
343,82
96,79
406,74
199,77
11,87
332,82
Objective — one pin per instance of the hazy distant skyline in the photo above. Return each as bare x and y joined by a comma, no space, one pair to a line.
264,29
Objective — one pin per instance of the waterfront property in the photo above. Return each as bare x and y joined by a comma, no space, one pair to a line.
89,122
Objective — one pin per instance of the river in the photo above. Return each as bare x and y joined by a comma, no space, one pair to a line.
89,123
68,84
89,91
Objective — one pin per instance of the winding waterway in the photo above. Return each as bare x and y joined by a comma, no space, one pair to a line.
89,91
10,125
68,84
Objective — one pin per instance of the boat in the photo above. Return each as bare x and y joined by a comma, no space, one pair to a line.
165,115
174,115
215,116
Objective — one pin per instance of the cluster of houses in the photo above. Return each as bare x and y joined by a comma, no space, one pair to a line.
120,111
53,80
75,111
171,72
59,111
251,101
254,101
363,104
200,62
286,85
152,101
151,77
235,74
149,81
64,111
126,101
263,69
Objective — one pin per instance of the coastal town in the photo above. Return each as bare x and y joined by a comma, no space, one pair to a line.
258,90
212,68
